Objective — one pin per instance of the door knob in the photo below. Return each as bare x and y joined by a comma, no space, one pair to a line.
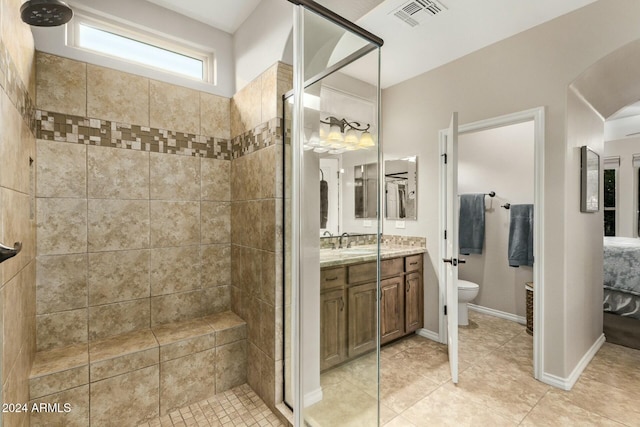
462,261
453,261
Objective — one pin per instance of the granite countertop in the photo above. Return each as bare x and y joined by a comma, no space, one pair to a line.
357,254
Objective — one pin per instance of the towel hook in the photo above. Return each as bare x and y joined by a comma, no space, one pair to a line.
506,206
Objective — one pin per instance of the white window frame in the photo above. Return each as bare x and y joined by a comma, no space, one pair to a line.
178,46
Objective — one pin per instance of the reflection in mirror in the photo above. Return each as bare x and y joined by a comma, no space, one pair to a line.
401,188
365,190
329,196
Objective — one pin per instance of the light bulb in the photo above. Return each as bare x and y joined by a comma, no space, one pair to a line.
351,140
335,135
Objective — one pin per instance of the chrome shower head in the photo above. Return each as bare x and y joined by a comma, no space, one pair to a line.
46,13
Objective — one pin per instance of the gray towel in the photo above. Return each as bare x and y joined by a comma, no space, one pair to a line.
471,229
521,235
324,203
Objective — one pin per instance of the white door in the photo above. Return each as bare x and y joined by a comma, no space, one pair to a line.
451,253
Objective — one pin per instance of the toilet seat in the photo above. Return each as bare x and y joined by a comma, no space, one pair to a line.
465,284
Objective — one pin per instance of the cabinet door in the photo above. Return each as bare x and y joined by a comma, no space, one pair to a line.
391,309
413,301
333,328
362,318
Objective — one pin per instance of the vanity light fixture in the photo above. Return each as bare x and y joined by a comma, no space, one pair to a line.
343,136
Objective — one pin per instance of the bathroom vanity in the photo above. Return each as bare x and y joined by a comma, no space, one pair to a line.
348,300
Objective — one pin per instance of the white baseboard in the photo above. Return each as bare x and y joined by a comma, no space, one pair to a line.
434,336
570,381
313,397
497,313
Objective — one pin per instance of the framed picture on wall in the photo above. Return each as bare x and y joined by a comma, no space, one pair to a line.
590,180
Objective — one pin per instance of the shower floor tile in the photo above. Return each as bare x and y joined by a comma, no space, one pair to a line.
238,407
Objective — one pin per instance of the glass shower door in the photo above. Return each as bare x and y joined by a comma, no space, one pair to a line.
331,370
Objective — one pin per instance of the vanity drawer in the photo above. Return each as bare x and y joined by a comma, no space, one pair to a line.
332,278
413,263
367,272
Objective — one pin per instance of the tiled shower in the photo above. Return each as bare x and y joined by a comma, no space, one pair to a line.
157,211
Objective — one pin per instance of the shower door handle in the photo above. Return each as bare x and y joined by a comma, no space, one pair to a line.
454,261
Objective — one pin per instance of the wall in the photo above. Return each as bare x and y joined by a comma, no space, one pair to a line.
17,221
133,202
509,76
256,225
499,160
627,184
156,21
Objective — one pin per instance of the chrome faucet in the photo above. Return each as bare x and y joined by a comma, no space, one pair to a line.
345,234
327,232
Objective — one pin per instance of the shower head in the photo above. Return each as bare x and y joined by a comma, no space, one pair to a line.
45,13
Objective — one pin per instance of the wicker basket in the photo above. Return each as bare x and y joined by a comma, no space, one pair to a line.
529,288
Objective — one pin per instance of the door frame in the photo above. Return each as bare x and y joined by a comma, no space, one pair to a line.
537,115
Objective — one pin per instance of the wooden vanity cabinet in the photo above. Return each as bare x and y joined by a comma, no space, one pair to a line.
349,310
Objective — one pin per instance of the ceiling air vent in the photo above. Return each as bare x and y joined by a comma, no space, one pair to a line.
414,12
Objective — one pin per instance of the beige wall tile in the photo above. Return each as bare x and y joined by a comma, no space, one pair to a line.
78,417
216,222
128,399
119,318
175,224
254,368
246,108
61,85
215,119
216,300
174,177
16,389
253,225
239,172
61,283
17,38
126,363
187,380
118,225
117,96
61,169
216,265
13,325
17,228
176,307
62,226
117,174
184,338
253,177
231,365
267,329
216,176
58,381
271,172
175,270
174,107
268,224
118,276
268,282
16,145
270,100
285,82
61,329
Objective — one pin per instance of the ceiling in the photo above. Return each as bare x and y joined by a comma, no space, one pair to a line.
462,27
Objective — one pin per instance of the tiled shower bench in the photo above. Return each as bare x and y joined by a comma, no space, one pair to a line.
127,379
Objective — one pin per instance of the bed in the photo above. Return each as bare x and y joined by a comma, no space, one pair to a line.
622,291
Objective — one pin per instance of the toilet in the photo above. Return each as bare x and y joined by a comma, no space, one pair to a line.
467,291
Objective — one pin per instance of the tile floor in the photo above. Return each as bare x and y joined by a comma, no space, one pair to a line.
238,407
496,386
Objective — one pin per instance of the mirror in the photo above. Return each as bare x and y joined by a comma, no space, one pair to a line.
365,183
401,188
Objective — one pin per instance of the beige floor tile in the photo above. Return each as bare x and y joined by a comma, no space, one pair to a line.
556,410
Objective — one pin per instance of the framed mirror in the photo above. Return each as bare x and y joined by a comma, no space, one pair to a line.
590,180
401,188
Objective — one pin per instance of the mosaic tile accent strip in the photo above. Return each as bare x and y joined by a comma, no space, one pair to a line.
82,130
15,88
262,136
418,242
239,406
355,240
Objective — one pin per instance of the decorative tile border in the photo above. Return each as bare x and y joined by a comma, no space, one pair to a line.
262,136
355,240
15,88
418,242
83,130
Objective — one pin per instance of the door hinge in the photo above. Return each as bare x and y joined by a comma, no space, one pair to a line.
445,310
444,156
